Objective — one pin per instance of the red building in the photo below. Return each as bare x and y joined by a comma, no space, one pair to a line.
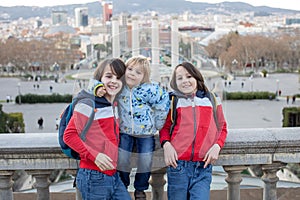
107,9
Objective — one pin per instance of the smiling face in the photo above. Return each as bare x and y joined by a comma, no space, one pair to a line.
112,84
185,82
134,75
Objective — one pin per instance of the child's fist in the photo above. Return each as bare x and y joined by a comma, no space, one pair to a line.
100,91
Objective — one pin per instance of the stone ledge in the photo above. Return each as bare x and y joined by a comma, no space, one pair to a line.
255,193
243,147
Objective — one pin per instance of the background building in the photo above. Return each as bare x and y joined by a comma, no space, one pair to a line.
107,10
81,17
59,17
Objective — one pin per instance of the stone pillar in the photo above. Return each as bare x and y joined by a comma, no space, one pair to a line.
135,37
115,38
6,184
42,183
157,183
155,75
78,194
270,180
174,42
233,179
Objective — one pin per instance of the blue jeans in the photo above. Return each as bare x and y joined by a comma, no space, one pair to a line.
144,149
189,181
94,185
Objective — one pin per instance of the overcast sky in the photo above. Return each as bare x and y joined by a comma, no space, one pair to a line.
288,4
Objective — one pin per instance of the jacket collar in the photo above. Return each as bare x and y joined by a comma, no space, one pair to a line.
199,93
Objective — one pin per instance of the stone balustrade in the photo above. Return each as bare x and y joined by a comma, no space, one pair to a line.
39,154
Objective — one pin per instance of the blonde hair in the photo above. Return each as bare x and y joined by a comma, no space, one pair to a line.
144,63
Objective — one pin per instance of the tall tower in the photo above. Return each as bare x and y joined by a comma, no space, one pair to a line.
59,17
107,10
81,17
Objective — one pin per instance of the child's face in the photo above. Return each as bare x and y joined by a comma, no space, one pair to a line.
111,83
134,75
185,82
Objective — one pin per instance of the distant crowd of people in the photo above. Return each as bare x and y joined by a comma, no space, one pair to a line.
293,99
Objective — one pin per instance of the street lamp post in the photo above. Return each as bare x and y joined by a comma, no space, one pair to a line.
19,93
251,83
234,65
277,89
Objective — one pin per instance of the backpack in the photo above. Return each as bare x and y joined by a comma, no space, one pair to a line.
65,118
174,101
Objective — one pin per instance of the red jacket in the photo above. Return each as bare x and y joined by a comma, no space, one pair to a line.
102,136
195,131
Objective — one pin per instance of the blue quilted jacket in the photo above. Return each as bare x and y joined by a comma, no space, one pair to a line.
143,109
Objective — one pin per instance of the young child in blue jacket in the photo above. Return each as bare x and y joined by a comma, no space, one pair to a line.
143,108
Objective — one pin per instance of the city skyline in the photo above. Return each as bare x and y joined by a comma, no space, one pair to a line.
288,4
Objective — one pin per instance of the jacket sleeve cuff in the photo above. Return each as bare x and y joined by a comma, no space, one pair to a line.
221,144
164,142
96,87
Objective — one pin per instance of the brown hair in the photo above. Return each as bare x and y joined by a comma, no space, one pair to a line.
117,67
195,73
144,63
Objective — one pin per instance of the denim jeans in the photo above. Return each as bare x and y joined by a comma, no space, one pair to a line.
189,181
144,149
94,185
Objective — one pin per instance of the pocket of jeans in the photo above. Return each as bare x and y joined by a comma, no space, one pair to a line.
96,176
209,168
178,170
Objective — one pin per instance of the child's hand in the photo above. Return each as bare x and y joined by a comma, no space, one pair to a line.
104,162
170,155
212,155
100,92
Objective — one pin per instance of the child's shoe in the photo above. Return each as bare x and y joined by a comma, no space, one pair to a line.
139,195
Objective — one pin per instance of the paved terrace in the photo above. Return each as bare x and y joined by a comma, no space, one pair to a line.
251,116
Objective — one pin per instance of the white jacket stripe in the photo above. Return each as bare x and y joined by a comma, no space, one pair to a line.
84,109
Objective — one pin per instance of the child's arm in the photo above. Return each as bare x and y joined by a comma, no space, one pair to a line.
160,103
72,138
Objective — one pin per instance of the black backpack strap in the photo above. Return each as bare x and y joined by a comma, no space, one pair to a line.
213,100
174,101
90,120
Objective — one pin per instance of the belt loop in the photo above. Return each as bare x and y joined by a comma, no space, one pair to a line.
185,163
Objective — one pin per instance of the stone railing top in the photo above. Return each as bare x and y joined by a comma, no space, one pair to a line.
263,140
242,147
33,142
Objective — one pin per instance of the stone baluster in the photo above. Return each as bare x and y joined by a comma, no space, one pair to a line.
270,180
42,183
233,179
157,183
6,184
78,194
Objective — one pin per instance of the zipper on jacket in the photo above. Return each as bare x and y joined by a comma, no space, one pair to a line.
131,112
195,127
115,123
